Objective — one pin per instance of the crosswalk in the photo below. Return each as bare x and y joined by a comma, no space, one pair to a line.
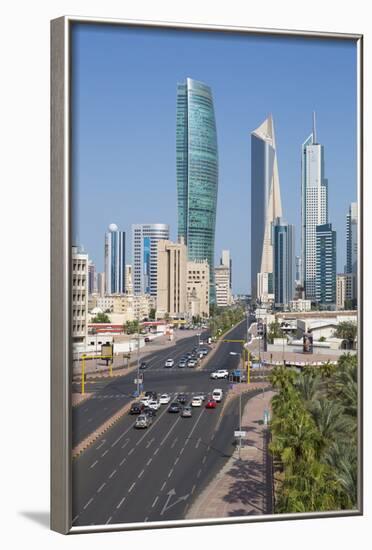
121,396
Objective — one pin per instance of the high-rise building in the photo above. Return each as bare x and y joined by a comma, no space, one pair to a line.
314,207
128,279
345,284
114,260
227,262
222,285
79,298
198,288
265,207
325,275
298,274
145,239
101,284
171,279
197,171
283,262
352,244
92,278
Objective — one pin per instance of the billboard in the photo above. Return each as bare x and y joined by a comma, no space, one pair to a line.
307,340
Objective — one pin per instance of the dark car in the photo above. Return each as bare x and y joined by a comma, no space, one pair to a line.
151,394
147,339
136,408
181,398
143,365
174,408
149,411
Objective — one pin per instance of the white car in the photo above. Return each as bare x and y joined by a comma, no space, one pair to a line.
217,395
200,396
191,363
164,399
153,404
221,373
145,400
196,402
169,363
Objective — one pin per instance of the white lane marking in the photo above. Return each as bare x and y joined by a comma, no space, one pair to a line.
149,462
141,473
122,462
177,459
131,451
118,439
204,459
155,501
131,487
101,445
105,453
112,474
181,451
89,502
170,472
199,473
174,442
172,428
126,443
164,484
196,423
146,518
198,443
120,503
75,518
151,427
109,519
102,486
193,489
156,451
150,442
94,463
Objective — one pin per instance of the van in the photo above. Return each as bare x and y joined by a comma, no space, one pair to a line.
217,395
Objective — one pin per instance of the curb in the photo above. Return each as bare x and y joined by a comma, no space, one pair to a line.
83,445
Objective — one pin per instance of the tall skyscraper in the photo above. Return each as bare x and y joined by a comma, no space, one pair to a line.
265,207
114,260
352,238
298,276
145,239
197,171
284,268
325,288
314,210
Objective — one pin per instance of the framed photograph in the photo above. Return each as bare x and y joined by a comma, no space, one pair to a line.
207,288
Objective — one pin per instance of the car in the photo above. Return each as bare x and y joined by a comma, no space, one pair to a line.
201,395
147,339
200,355
191,363
181,398
220,373
164,399
186,412
154,404
169,363
211,404
204,351
217,395
152,394
136,408
174,408
143,365
182,364
149,411
143,421
188,355
145,400
196,401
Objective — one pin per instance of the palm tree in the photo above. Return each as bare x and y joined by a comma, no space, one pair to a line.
308,385
282,377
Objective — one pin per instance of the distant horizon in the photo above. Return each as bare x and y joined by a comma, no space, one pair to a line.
124,84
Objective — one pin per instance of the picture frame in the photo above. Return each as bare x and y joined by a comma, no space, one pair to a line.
62,193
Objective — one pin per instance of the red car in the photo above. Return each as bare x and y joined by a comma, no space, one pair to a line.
211,404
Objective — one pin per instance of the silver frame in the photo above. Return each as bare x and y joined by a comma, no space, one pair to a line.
61,348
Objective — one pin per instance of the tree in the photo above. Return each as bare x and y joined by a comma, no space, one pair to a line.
152,313
347,330
274,332
101,318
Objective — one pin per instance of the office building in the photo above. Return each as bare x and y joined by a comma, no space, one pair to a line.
79,298
352,246
325,275
92,278
128,279
171,279
298,274
265,207
227,262
345,290
114,260
197,171
197,287
101,284
314,208
145,239
283,262
222,285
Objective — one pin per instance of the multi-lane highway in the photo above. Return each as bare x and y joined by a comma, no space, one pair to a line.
131,475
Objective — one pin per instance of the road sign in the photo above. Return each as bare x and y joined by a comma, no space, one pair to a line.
239,433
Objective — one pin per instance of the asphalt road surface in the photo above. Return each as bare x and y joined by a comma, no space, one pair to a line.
154,474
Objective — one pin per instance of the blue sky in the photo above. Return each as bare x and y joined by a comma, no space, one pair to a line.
124,127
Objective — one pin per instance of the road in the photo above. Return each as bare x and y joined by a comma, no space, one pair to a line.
133,475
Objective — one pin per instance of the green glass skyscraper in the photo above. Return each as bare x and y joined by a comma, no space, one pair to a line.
197,171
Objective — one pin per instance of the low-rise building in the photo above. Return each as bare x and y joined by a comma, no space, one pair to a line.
345,289
198,288
133,307
300,305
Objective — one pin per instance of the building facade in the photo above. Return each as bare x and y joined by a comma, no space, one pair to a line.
171,279
197,171
132,307
114,260
198,288
128,279
265,207
79,298
352,247
283,262
101,286
345,290
92,278
314,208
300,305
222,285
227,262
325,289
145,239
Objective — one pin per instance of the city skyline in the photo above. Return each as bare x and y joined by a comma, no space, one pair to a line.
111,185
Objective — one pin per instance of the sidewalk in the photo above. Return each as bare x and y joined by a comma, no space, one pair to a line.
244,486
